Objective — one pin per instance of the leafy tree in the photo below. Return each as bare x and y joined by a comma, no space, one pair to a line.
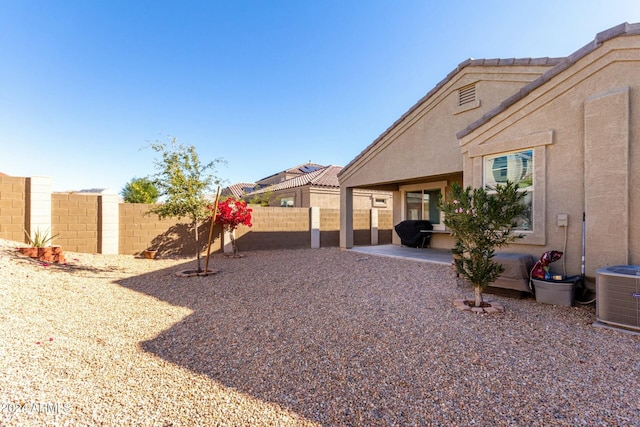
140,190
232,213
261,199
481,221
183,182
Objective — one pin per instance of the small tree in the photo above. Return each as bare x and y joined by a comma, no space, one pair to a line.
183,181
262,199
140,190
232,213
481,221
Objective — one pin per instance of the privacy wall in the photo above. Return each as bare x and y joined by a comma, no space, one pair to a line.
99,223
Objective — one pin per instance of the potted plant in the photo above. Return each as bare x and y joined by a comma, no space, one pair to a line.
150,253
481,221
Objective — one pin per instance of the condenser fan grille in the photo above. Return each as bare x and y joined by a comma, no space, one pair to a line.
618,296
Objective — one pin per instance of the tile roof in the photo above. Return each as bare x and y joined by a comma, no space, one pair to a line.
468,63
305,168
238,189
624,29
325,177
300,169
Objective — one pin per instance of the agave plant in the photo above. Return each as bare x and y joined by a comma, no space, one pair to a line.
40,239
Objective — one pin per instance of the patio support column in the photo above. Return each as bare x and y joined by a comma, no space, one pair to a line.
398,214
346,217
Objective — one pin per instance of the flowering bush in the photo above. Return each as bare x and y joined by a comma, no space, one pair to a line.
230,214
480,222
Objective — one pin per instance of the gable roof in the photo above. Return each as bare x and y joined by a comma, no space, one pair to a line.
325,177
624,29
546,61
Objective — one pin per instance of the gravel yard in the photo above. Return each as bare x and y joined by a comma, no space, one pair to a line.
295,338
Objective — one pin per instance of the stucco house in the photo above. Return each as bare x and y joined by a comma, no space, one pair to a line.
567,129
304,186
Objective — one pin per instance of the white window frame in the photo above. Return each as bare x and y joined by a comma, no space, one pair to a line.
538,142
379,201
529,189
287,199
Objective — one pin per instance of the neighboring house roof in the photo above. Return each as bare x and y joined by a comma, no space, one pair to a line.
305,168
93,191
238,190
468,63
624,29
325,177
297,170
3,174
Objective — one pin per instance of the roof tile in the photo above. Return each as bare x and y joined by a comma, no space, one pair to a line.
325,177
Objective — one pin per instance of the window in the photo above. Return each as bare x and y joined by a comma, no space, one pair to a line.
423,204
287,202
379,201
516,167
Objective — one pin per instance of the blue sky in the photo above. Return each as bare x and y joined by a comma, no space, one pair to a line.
265,85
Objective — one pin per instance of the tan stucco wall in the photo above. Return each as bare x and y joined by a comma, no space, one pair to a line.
423,143
594,104
422,147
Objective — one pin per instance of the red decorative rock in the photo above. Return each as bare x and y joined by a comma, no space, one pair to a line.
487,306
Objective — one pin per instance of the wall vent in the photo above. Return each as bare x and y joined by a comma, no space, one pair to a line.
618,296
466,94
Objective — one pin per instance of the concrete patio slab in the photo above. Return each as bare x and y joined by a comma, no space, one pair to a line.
436,256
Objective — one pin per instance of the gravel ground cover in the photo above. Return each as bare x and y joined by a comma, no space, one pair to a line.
295,338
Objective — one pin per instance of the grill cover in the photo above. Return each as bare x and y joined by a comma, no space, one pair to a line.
409,232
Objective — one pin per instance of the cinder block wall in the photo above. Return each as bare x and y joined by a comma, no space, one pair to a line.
74,217
361,227
171,236
275,228
13,208
329,227
385,226
77,221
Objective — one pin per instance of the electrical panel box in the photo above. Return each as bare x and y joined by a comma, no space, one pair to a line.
563,220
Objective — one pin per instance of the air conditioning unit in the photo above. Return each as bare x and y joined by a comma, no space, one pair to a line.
618,296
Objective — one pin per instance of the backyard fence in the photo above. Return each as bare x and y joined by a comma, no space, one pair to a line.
100,223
